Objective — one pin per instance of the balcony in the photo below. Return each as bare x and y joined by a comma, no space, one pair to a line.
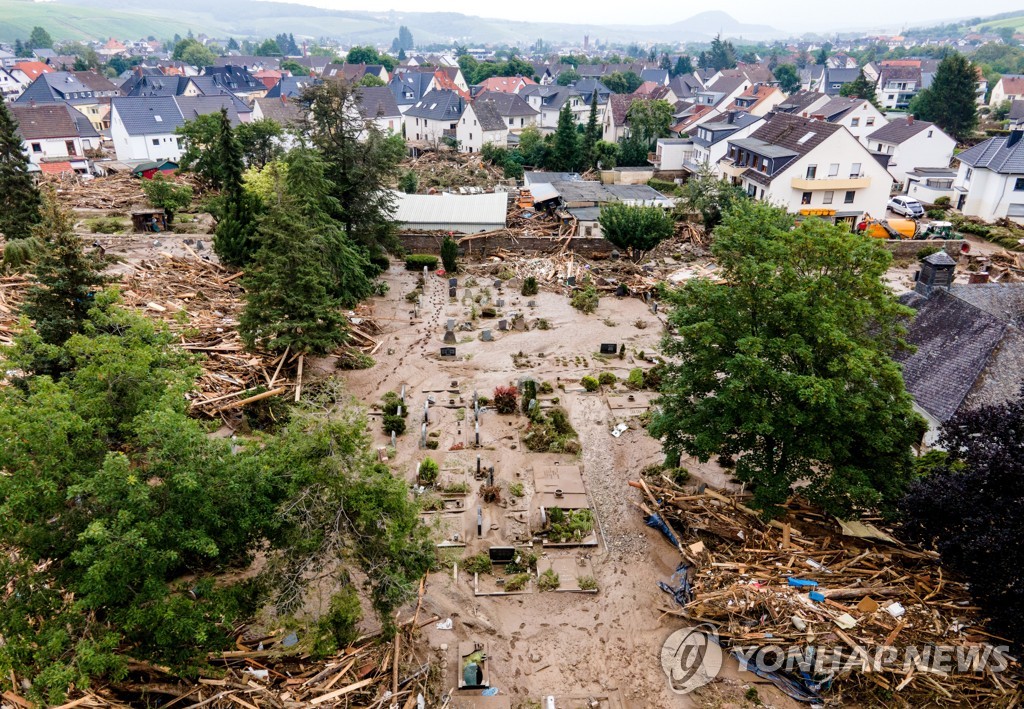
831,183
731,169
654,159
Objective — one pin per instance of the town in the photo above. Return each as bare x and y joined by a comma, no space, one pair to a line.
408,367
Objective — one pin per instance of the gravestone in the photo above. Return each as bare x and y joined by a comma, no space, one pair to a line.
503,325
519,323
532,303
448,353
452,293
622,290
607,348
501,302
449,337
453,282
486,336
451,324
497,283
571,281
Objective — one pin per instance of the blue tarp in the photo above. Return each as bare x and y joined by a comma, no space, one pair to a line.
678,586
656,522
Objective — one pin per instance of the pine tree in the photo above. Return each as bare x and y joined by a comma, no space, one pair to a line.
950,101
591,135
66,278
565,155
288,300
683,66
234,240
19,197
860,88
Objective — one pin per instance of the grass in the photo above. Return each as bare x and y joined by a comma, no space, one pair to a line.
18,17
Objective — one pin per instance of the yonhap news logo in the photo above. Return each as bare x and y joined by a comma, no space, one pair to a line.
691,658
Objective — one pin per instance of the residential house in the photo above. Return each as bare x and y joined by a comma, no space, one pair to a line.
928,184
968,343
10,88
841,60
292,86
55,136
285,112
810,167
7,59
658,76
249,63
685,86
1010,87
990,181
269,77
58,86
656,92
481,124
672,154
229,79
897,85
410,87
144,127
435,116
512,108
711,139
616,119
377,105
757,100
27,72
911,144
722,91
315,65
857,115
548,102
354,73
835,78
504,84
804,103
688,115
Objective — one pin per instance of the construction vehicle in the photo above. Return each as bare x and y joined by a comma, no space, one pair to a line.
906,229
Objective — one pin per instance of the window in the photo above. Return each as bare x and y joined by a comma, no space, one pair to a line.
511,121
812,170
833,169
854,122
827,199
970,172
69,145
806,198
869,122
891,97
1018,184
37,148
930,134
751,190
471,136
879,148
762,193
156,141
588,231
855,170
849,197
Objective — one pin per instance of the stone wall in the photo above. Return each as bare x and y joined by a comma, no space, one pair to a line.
901,248
480,248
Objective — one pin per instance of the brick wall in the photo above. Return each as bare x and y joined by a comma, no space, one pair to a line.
480,248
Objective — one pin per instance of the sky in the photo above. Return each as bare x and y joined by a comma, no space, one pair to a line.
786,15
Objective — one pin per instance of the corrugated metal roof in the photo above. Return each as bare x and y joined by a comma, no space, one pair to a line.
449,209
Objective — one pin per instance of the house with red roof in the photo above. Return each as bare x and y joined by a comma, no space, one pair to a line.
504,84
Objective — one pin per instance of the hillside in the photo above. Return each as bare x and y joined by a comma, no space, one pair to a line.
65,21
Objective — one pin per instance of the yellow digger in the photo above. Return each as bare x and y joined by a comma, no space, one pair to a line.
905,229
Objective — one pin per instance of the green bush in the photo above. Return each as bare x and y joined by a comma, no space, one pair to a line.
394,424
548,581
529,394
552,433
590,383
943,202
936,213
571,525
635,380
523,562
585,300
516,490
416,262
606,379
587,583
106,225
545,388
391,403
927,251
450,255
339,627
517,582
530,286
428,471
478,563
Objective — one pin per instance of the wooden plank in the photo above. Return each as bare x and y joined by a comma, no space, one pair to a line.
343,691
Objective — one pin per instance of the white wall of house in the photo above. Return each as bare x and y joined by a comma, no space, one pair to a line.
929,148
896,94
672,155
989,194
843,169
928,190
10,88
712,154
427,129
863,120
1000,93
162,146
42,149
472,137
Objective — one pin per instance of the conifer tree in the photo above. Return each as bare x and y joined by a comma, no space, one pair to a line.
234,240
565,155
19,197
592,134
950,101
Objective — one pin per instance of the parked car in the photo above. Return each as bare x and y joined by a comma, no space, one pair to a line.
907,206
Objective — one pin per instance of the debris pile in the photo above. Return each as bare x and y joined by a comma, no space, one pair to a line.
118,192
444,169
832,590
12,289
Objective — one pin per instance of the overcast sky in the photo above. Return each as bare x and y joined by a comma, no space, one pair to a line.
786,15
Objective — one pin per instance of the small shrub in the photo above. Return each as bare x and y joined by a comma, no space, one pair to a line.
516,490
477,564
517,582
505,399
491,494
428,471
543,324
548,581
416,262
529,394
432,444
587,583
606,379
106,225
545,388
585,300
635,380
351,358
530,286
339,626
927,251
936,213
457,488
522,562
590,383
381,288
394,424
413,296
391,402
450,255
943,202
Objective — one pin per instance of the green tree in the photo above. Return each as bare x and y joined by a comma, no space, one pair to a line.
709,196
232,45
369,55
567,77
860,88
19,197
591,134
260,141
268,48
635,229
66,279
788,78
201,138
450,254
622,83
787,365
722,54
192,51
565,156
683,66
409,182
606,155
296,69
371,80
648,121
234,238
39,39
950,100
167,195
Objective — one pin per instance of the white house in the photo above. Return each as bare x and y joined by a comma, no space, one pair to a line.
513,109
990,181
377,104
897,85
810,167
143,128
480,124
857,115
10,88
671,154
911,144
435,116
55,136
711,139
928,184
1010,87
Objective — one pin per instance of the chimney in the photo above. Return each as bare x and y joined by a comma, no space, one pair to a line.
937,273
731,118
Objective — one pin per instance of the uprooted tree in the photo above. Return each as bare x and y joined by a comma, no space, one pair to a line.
787,365
968,508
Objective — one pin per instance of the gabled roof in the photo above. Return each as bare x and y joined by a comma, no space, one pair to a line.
898,73
192,107
507,105
249,62
438,105
505,84
283,111
784,138
95,81
293,86
618,107
796,103
551,96
33,69
901,130
147,85
997,154
148,115
490,119
352,72
62,86
658,76
721,129
1012,84
587,87
231,78
51,120
410,87
374,101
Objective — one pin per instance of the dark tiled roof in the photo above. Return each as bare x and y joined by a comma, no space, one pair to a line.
619,105
95,81
140,114
954,342
1016,110
157,86
798,102
993,154
898,73
723,128
250,62
51,120
900,130
292,86
284,112
192,107
785,133
507,105
587,87
439,105
376,101
410,87
658,76
838,107
487,114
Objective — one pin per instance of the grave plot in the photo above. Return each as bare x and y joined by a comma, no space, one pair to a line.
503,571
560,571
560,508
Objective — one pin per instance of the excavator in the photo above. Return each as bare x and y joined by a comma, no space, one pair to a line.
905,229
